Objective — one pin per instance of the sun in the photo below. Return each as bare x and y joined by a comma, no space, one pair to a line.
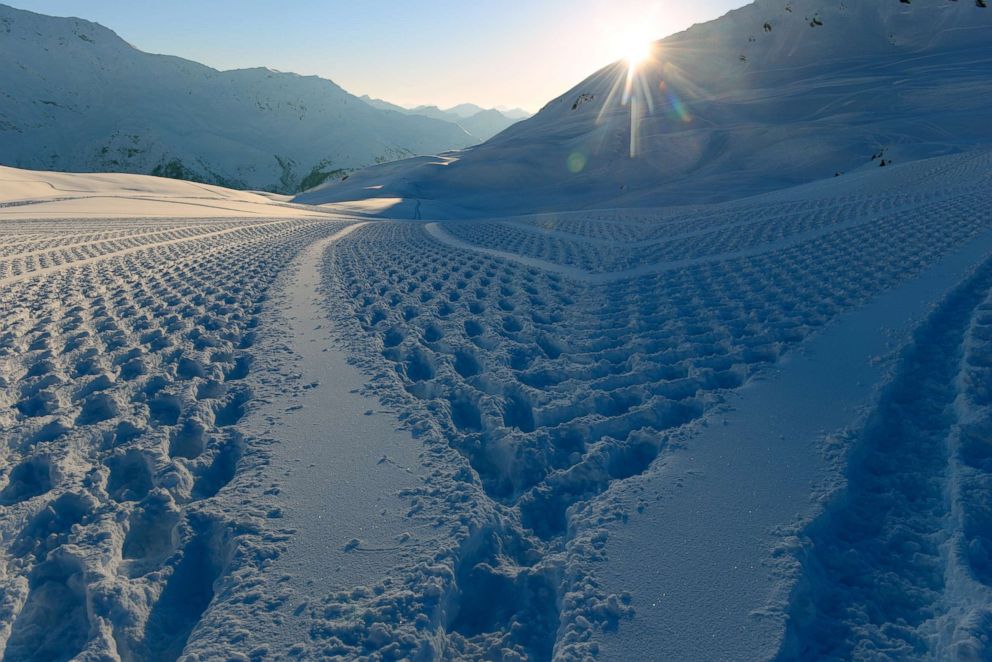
637,52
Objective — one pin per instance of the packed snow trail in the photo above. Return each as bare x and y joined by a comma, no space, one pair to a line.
339,461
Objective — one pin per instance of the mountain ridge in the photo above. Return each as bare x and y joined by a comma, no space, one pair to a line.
482,123
78,97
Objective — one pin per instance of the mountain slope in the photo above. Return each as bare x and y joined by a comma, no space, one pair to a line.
770,95
480,122
75,96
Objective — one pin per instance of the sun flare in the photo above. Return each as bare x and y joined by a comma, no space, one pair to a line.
637,52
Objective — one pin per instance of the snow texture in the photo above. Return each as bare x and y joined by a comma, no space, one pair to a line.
544,369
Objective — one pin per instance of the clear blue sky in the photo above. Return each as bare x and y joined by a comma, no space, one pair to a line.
443,52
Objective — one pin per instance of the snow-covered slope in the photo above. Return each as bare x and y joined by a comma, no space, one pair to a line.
773,94
74,96
35,194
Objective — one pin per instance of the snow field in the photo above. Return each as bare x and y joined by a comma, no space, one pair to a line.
642,241
540,393
543,363
124,355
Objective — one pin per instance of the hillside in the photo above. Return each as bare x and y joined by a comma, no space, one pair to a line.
74,96
770,95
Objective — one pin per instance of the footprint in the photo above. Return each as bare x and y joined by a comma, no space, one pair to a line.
188,592
53,624
50,528
29,479
151,533
130,476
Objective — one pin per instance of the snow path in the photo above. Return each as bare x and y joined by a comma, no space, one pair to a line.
341,457
724,498
439,233
906,540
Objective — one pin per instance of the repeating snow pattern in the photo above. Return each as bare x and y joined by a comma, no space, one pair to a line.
542,366
124,354
141,518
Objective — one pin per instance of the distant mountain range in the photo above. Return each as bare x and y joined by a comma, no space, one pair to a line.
74,96
481,123
774,94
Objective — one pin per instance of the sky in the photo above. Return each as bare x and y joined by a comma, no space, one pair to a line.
515,53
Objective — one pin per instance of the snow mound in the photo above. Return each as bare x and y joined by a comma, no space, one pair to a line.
34,194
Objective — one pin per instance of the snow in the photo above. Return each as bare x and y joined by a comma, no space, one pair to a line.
34,194
730,569
476,415
348,521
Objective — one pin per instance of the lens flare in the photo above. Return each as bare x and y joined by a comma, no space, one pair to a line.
576,162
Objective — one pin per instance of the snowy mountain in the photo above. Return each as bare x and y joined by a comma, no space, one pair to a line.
770,95
481,123
75,96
